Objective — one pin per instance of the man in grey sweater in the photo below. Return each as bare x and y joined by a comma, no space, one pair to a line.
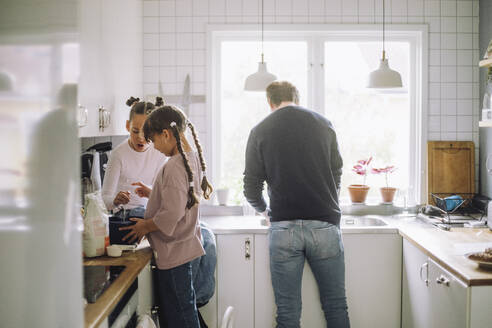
295,151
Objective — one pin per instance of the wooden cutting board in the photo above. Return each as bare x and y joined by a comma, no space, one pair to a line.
450,167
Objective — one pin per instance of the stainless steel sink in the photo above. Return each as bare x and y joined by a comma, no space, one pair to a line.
363,221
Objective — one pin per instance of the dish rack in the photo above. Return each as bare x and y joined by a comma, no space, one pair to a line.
465,207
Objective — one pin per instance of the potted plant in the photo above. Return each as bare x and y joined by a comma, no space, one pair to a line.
388,193
358,193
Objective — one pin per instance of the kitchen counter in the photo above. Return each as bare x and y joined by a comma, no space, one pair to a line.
95,313
445,247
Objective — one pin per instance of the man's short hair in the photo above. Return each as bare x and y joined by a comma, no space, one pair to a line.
280,91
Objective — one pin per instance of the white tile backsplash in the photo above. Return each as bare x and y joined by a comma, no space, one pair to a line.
464,8
465,74
465,90
167,41
465,41
167,8
317,7
167,57
448,107
448,123
448,8
300,7
200,7
235,7
151,57
435,73
432,8
448,57
464,106
465,24
167,24
448,74
150,8
448,90
217,7
184,41
184,24
151,41
184,8
416,8
465,57
151,24
332,8
448,40
184,57
448,24
465,124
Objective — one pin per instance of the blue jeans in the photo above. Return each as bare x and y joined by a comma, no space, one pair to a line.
177,298
291,242
204,268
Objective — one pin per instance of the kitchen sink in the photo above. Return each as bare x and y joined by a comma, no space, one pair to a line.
363,221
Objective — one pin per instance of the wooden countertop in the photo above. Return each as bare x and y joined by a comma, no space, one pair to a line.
134,262
448,248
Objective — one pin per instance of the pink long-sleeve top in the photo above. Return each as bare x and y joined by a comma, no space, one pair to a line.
178,239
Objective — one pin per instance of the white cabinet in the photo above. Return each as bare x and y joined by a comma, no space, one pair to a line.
110,61
235,278
373,267
447,297
415,294
433,297
372,271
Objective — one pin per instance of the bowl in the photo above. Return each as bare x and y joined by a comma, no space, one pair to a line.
113,251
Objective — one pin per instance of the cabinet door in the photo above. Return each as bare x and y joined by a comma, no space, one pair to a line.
448,298
415,292
373,272
265,308
235,283
145,291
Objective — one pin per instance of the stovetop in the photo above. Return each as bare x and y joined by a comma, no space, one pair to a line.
97,278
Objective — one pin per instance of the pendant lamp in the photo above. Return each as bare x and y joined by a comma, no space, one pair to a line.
262,78
384,77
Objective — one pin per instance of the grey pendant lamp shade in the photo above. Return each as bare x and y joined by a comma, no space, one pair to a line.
384,77
262,78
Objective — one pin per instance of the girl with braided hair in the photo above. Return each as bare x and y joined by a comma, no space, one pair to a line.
171,220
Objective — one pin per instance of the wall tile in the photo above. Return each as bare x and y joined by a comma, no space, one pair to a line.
465,24
448,74
416,8
283,7
432,8
448,40
251,8
465,74
150,74
448,107
434,24
448,8
434,123
184,24
167,24
151,24
184,57
366,7
200,7
434,107
217,7
465,41
465,57
465,124
448,57
399,8
332,7
448,123
151,57
167,57
448,24
167,8
167,41
184,41
434,73
464,8
465,91
300,7
184,8
349,7
151,41
168,74
448,90
434,57
234,7
198,40
150,8
464,107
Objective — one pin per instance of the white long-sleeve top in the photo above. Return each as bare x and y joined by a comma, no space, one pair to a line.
126,166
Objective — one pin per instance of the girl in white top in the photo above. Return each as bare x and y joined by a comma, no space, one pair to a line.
132,161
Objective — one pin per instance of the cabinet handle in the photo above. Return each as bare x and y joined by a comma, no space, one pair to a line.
247,249
425,265
442,280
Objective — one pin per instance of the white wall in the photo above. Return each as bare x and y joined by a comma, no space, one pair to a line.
175,45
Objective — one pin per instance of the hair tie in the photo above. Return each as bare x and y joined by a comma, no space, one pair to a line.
173,124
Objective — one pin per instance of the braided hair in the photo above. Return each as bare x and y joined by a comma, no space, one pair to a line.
173,119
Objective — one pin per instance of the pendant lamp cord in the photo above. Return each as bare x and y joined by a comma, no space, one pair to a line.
384,51
262,4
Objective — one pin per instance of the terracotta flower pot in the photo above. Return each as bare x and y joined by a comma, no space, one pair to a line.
358,193
388,193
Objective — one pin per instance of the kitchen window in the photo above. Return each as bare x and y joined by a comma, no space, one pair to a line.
329,65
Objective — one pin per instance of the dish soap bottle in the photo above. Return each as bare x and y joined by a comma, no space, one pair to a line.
487,98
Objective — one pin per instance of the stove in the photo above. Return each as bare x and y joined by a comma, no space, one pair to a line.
97,278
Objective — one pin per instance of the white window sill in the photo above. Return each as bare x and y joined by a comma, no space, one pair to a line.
347,209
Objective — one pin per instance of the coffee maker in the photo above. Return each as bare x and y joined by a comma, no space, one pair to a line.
93,166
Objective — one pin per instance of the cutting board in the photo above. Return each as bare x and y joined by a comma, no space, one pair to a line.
450,167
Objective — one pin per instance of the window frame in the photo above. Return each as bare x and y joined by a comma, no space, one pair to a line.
316,35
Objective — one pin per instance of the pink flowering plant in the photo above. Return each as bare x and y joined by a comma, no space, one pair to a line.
362,168
386,170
